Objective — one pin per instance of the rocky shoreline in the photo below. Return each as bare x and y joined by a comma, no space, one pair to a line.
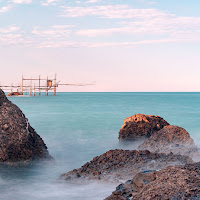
120,165
173,182
162,167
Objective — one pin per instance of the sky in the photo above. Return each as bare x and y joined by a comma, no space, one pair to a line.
120,45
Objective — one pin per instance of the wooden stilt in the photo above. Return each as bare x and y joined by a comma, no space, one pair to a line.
30,93
39,85
47,86
22,84
55,86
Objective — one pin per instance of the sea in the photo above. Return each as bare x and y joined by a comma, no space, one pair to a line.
76,127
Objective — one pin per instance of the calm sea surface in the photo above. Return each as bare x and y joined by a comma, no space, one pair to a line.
79,126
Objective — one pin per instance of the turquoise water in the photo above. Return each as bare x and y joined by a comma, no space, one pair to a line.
79,126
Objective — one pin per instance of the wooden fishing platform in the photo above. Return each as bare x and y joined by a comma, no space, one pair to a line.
37,86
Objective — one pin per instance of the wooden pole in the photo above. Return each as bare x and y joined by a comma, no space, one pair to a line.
47,87
34,89
22,84
55,86
39,85
30,89
11,87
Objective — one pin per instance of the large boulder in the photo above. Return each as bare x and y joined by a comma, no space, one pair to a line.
19,142
172,139
140,127
174,182
118,165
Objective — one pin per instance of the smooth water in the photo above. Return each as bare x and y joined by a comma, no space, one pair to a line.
79,126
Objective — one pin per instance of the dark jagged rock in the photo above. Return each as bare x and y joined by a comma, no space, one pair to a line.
174,182
118,165
172,139
19,143
140,126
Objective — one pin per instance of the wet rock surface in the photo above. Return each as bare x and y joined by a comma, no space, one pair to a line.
174,182
172,139
118,165
140,126
19,142
162,168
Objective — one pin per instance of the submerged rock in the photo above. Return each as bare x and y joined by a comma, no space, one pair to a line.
19,142
174,182
140,126
172,139
118,165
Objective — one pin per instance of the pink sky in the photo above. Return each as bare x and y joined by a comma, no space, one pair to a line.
123,46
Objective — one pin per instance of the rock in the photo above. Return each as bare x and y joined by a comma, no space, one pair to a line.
118,165
115,197
123,191
172,139
140,126
174,182
19,143
127,189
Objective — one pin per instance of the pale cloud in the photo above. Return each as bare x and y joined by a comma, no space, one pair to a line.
106,32
73,44
128,44
124,20
13,36
93,1
14,40
140,22
22,1
8,39
111,12
62,26
147,2
148,22
88,2
61,44
9,29
54,36
55,31
154,26
5,8
50,2
12,3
